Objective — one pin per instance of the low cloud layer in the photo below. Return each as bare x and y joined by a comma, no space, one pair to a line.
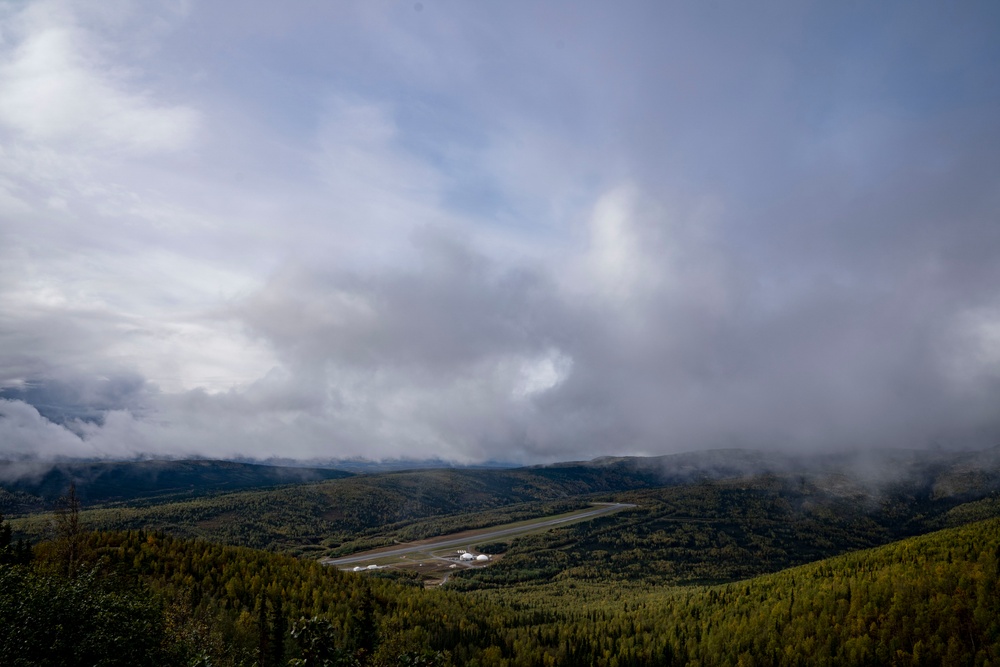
497,234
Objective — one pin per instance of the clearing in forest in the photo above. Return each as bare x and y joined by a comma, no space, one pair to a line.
435,557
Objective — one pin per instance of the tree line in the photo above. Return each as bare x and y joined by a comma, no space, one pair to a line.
147,598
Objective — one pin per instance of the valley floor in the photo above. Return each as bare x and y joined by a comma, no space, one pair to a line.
451,545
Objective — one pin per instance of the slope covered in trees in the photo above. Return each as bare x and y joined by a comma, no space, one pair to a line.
926,600
725,530
886,495
668,582
27,487
359,512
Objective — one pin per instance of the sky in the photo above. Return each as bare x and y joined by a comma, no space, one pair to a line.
506,231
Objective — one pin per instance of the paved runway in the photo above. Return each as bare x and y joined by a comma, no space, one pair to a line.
448,541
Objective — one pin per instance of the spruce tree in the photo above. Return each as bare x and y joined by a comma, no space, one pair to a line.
264,632
279,627
69,531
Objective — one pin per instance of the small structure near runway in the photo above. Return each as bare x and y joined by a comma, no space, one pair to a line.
469,557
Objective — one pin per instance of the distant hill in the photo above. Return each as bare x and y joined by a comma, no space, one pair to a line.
950,471
863,499
716,531
35,487
359,465
347,514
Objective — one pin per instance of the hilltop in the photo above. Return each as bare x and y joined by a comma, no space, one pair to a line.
34,486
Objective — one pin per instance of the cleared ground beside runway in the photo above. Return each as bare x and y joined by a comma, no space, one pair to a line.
432,548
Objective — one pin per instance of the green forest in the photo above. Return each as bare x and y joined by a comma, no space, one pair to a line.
763,569
147,598
340,516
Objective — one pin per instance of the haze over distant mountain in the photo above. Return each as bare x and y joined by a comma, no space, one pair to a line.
99,482
871,468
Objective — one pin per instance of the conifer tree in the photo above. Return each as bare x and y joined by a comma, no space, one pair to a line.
279,627
264,630
364,630
69,532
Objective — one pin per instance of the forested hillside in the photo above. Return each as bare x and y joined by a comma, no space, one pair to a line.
926,600
929,600
27,487
773,510
342,515
697,573
726,530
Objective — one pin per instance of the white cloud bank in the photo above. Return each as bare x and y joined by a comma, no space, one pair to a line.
480,233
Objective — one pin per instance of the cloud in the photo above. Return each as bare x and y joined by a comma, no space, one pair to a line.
24,432
69,400
496,232
465,357
414,360
55,87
